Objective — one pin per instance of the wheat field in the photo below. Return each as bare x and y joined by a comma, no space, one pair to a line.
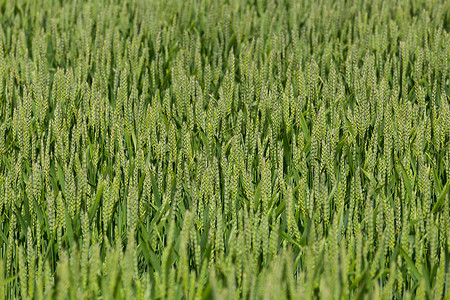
224,149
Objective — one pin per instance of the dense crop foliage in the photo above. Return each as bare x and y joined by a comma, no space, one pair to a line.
204,149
